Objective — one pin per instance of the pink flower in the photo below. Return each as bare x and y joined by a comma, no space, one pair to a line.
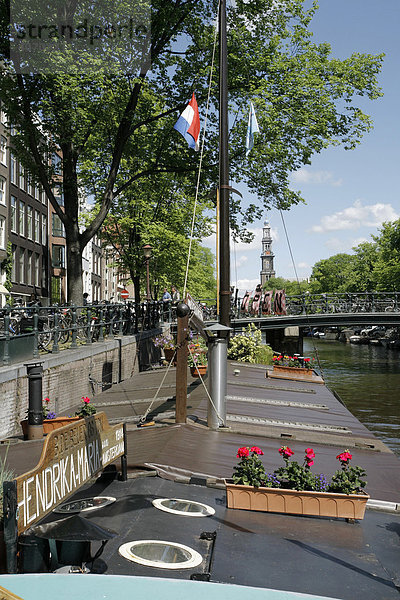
256,450
285,451
85,399
243,452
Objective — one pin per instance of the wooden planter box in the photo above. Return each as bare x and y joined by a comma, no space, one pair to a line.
294,373
50,424
199,370
284,369
320,504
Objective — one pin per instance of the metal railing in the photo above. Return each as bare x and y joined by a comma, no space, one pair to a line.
303,304
37,329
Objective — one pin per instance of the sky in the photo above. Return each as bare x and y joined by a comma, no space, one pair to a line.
348,194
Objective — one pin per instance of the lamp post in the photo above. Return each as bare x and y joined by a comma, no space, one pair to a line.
147,255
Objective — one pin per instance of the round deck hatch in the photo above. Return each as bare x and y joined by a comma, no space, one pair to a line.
84,504
185,508
161,554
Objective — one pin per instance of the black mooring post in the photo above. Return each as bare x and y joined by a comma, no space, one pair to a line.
10,524
35,408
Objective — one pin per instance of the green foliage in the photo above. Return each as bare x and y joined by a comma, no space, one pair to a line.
115,129
249,470
374,266
349,480
6,266
87,409
247,347
292,288
296,477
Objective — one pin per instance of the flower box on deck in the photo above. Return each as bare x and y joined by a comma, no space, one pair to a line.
321,504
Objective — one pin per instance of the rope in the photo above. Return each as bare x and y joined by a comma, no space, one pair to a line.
145,414
298,283
200,162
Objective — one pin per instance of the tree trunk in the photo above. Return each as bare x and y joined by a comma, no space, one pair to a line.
74,264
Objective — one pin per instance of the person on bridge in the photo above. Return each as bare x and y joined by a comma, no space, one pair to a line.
175,294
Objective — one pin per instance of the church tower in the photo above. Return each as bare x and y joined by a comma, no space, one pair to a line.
267,256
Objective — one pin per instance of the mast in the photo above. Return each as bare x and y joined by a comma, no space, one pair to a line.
224,246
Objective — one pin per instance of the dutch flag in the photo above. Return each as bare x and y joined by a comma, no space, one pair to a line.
188,124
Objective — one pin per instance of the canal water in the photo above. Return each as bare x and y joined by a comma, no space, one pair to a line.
367,379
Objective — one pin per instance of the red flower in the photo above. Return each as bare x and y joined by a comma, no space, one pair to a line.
306,360
85,399
256,450
243,452
310,453
47,399
309,462
285,451
345,456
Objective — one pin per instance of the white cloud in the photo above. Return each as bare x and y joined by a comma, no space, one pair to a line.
308,176
247,285
356,216
303,265
241,260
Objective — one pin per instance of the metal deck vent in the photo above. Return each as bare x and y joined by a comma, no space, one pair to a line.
161,554
84,505
184,508
295,424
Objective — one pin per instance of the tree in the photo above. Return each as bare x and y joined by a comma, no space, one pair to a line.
333,274
115,128
387,265
292,288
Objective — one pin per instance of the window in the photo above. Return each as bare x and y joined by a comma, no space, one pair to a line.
37,270
2,190
44,230
14,263
55,290
36,191
58,256
56,160
13,214
42,195
21,270
21,218
13,168
37,226
58,193
30,185
3,150
29,222
22,180
58,227
29,279
3,116
2,232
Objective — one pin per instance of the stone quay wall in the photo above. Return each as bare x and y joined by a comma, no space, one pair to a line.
71,374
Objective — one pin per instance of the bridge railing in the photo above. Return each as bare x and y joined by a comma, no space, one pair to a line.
307,303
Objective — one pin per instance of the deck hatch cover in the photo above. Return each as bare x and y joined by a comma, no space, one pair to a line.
281,423
84,504
184,508
161,554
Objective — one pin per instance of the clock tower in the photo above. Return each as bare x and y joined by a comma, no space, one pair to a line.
267,256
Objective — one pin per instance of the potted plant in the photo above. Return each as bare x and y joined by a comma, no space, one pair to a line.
167,344
197,358
87,409
294,488
297,367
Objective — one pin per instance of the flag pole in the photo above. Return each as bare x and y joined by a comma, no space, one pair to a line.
217,250
224,246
